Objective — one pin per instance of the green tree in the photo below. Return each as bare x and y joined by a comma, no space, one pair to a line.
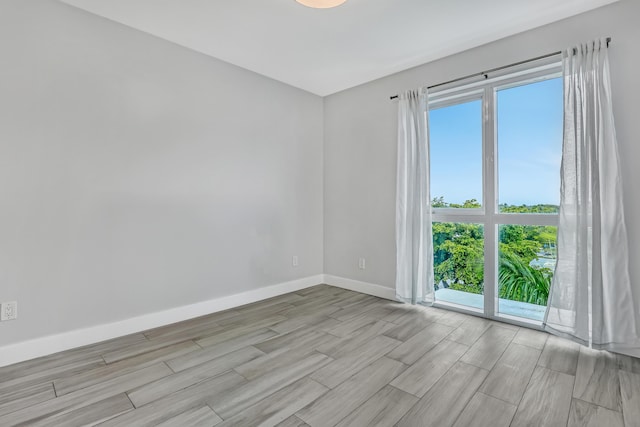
520,240
504,208
438,202
458,255
518,281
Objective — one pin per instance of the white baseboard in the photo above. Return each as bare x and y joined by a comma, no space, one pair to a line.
38,347
363,287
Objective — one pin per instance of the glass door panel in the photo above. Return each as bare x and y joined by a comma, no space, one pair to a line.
458,251
526,261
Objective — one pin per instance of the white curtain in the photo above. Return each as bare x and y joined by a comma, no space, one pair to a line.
414,245
590,299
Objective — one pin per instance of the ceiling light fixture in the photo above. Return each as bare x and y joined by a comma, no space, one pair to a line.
321,4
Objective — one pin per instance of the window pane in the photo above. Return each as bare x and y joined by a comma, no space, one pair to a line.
529,135
526,261
458,252
455,138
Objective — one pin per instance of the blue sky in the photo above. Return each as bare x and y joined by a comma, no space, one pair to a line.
529,146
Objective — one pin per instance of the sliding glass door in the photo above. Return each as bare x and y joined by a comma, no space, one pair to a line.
495,150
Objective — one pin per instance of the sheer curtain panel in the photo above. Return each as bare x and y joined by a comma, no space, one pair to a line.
590,298
414,245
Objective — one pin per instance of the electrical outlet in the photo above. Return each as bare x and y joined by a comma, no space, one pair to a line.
362,263
9,311
294,261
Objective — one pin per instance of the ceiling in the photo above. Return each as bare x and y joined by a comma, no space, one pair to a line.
325,51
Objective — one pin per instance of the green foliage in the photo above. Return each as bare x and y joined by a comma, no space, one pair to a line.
438,202
538,209
518,281
526,241
470,288
459,254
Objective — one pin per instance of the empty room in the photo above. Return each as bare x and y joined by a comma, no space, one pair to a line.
319,213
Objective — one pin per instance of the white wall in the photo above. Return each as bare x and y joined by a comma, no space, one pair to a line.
136,175
360,138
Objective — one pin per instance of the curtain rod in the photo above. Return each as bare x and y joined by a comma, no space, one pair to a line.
484,73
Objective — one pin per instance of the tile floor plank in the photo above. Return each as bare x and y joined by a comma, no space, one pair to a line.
419,344
531,338
584,414
426,372
245,395
358,309
75,382
408,327
279,406
193,333
340,347
302,337
388,310
560,355
340,369
247,317
597,379
353,298
188,377
630,394
51,374
215,351
547,400
332,407
88,415
509,377
278,359
486,411
217,364
346,328
318,290
452,318
237,332
470,330
141,349
187,326
628,363
412,313
445,401
308,319
86,396
293,421
312,306
486,351
23,398
177,403
195,417
385,408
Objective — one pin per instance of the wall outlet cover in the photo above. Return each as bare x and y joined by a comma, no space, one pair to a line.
9,310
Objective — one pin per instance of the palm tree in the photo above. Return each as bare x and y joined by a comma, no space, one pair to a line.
520,282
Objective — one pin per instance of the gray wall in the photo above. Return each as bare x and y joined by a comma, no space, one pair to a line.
360,138
136,175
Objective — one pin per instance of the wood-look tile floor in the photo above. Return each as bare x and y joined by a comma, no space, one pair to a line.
325,356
